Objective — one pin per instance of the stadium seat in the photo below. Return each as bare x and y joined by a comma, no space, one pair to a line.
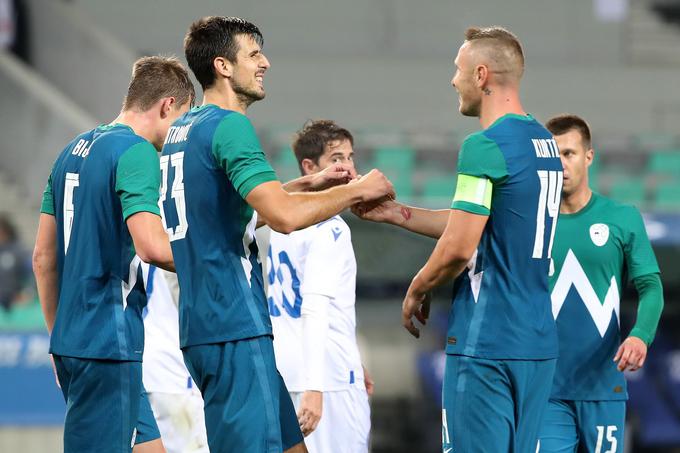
629,190
397,162
285,164
665,162
667,196
438,190
440,186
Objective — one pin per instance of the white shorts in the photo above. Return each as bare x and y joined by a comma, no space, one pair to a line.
181,421
345,422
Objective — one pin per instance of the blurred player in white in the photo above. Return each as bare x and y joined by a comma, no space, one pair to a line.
174,397
311,294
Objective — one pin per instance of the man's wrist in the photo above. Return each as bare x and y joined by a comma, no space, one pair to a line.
640,335
301,184
400,214
418,286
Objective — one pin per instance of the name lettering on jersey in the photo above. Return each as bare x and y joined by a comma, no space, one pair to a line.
177,134
545,147
82,148
573,274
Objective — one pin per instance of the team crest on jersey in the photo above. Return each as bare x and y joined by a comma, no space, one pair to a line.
599,234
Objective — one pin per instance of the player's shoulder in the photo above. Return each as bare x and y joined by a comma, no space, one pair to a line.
77,148
616,211
331,229
231,120
477,140
118,138
334,222
615,206
515,125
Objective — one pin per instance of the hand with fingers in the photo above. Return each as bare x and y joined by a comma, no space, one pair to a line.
415,304
631,354
375,187
333,175
309,415
385,210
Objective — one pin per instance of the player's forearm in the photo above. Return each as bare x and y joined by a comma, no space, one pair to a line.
45,268
650,306
427,222
151,242
301,184
301,210
314,336
160,254
447,261
46,278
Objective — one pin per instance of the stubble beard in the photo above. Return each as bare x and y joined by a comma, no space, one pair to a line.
247,95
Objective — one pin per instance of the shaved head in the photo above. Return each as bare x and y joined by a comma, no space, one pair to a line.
499,50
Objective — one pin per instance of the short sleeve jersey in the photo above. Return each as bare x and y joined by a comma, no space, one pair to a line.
98,181
596,249
211,160
501,302
317,260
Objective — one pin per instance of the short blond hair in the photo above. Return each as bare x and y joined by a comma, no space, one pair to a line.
155,78
502,47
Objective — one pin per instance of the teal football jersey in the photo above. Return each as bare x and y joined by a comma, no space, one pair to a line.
99,180
595,250
211,161
501,303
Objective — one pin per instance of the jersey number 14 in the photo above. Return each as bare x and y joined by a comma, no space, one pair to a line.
548,203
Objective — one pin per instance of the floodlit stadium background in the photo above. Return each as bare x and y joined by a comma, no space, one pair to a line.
382,68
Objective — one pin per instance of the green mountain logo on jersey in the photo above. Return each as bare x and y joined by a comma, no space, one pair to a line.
573,274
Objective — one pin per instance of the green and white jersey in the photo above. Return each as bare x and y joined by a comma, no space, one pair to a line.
99,180
595,251
211,161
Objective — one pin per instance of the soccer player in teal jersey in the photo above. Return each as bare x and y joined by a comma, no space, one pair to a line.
495,242
99,216
215,180
599,244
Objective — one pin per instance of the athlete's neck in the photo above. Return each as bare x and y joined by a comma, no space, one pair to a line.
575,201
497,102
140,122
224,97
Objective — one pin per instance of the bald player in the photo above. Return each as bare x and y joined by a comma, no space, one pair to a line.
494,245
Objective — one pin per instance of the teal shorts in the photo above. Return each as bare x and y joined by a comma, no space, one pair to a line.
247,405
106,406
147,429
494,405
583,427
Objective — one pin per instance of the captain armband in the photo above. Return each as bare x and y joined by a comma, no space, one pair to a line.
473,194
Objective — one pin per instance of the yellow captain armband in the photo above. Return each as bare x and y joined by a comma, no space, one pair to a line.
473,194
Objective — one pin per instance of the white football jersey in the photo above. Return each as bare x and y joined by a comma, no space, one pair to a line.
162,364
317,260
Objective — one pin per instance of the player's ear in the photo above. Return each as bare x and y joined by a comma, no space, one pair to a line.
223,67
590,156
309,166
481,75
167,104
